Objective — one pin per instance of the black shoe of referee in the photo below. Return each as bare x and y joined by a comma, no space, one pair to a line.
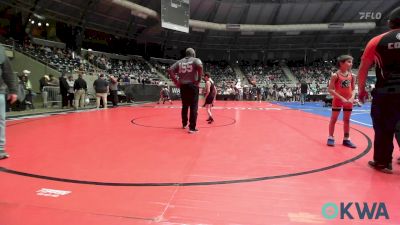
380,167
192,131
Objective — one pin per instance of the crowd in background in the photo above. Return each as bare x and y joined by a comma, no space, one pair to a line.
265,80
319,72
135,69
262,73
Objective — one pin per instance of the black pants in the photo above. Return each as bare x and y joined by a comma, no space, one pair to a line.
385,113
64,99
29,98
190,98
114,97
71,99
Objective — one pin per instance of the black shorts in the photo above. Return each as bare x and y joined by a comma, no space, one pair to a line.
209,100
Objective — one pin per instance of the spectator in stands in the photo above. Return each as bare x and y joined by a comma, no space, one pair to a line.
70,82
271,93
64,87
28,85
29,94
43,82
317,88
126,79
239,90
296,93
114,91
281,95
303,91
101,87
289,95
53,81
53,92
20,103
258,93
80,88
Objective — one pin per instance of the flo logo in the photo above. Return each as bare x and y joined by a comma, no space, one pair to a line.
355,210
370,15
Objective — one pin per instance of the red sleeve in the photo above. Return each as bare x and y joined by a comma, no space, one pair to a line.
370,49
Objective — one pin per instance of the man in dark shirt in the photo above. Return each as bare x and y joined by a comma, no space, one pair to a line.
189,71
101,87
80,88
384,51
114,91
64,90
8,81
303,91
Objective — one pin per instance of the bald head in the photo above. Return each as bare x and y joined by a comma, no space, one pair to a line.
190,52
394,18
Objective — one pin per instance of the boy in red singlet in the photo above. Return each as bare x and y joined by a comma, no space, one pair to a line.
341,87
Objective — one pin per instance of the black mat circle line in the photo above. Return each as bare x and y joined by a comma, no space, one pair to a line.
203,183
135,122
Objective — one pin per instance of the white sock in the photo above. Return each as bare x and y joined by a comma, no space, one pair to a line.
331,137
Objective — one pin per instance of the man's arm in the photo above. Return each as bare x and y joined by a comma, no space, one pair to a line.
8,76
171,73
367,60
362,78
199,72
353,88
10,79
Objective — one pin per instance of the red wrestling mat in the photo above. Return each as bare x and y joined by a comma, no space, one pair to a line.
258,163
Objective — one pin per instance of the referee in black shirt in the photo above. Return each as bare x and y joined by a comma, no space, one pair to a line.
189,71
383,51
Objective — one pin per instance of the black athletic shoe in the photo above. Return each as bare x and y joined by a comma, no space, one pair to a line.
380,167
211,121
192,131
209,118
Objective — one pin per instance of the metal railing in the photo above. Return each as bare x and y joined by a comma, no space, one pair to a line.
51,96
